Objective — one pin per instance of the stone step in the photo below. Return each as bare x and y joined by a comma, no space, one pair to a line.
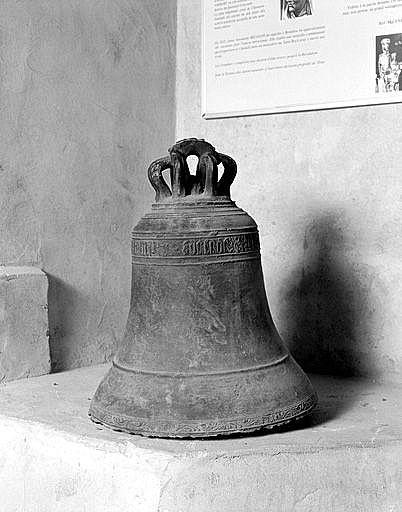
347,457
24,343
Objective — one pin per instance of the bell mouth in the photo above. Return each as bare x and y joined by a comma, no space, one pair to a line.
189,408
208,429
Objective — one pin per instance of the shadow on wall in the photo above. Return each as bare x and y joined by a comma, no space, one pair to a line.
70,313
327,304
61,300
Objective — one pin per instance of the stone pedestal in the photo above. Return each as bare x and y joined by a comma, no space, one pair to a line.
24,344
54,459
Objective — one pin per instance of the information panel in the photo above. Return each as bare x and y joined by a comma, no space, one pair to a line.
266,56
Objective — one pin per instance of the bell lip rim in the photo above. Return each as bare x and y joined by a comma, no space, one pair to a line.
179,431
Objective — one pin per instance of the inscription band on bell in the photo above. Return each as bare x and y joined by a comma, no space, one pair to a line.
241,244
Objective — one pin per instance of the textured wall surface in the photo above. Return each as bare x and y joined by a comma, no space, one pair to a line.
326,190
86,102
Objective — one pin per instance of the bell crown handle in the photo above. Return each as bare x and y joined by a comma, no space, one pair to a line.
205,182
156,179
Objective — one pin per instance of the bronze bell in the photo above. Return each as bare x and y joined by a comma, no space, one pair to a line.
200,355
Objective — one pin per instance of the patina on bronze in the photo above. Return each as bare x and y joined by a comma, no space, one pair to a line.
200,355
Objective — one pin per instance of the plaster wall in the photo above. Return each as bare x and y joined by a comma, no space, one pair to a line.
88,98
86,102
326,191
